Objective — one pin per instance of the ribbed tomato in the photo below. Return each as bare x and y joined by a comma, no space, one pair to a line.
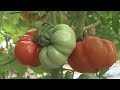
62,42
27,51
92,54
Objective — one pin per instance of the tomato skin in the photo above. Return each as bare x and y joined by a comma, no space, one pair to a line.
92,54
36,62
31,32
29,36
25,38
27,51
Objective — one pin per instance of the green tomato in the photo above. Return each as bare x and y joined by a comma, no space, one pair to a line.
63,42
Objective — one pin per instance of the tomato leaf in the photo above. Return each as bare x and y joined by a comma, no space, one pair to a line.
88,76
13,67
115,22
1,17
37,70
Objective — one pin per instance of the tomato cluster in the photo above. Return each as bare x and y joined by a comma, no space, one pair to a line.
62,42
87,56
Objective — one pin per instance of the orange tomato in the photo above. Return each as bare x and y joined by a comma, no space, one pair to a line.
92,54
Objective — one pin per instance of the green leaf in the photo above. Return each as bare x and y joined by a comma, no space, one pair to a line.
10,22
88,76
3,57
115,22
1,17
74,17
37,70
1,38
14,67
103,13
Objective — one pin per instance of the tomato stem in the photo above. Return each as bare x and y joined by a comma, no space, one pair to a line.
47,23
80,24
91,26
5,63
55,73
61,69
53,17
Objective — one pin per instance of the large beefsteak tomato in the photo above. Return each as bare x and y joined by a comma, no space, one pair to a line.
27,51
62,42
92,54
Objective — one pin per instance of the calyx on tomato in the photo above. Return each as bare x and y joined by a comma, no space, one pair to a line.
92,54
27,51
63,41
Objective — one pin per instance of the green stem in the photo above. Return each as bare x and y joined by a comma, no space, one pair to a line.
5,63
47,23
80,23
91,26
53,17
55,73
61,74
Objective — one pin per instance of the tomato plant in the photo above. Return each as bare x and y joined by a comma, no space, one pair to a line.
43,42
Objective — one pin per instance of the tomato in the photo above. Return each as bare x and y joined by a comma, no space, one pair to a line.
63,41
92,54
27,51
29,36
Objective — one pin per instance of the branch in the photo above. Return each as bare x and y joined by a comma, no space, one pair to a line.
91,26
53,17
81,23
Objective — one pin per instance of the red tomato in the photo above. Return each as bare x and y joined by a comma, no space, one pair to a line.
27,51
92,54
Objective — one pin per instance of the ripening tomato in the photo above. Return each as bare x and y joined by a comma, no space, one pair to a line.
92,54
